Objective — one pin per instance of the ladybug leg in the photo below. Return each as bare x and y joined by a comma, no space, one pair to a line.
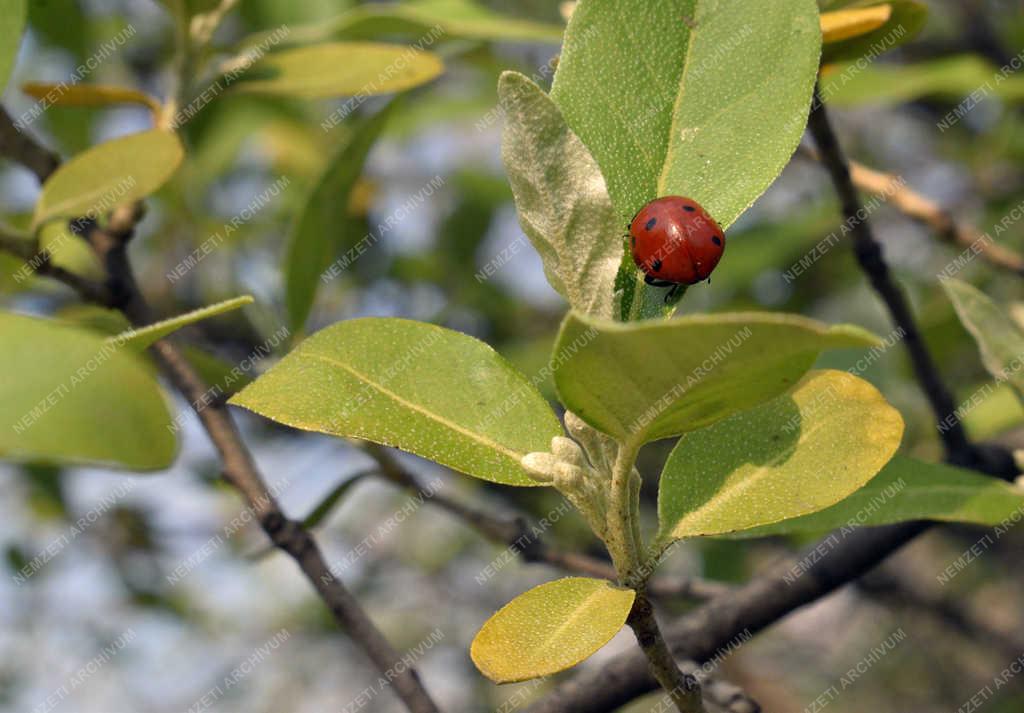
656,282
670,295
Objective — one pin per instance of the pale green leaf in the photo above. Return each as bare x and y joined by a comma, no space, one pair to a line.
561,198
991,409
218,374
120,171
550,628
999,339
649,380
796,454
906,19
335,69
964,79
431,391
324,227
910,489
140,339
700,98
425,22
69,396
12,23
453,19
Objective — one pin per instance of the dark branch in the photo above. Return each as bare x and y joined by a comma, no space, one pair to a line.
683,688
869,255
18,146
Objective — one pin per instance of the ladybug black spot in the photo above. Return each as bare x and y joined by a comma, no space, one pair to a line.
689,208
656,265
716,240
651,223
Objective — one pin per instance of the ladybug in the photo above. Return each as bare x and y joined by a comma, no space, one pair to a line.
675,242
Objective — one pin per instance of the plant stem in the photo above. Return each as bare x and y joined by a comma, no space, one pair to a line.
625,544
682,688
622,544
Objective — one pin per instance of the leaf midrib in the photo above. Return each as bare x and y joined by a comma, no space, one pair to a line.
437,418
542,654
669,150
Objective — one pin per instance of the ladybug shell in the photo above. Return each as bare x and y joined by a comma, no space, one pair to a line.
675,240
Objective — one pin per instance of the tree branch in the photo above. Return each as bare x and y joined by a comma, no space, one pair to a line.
22,148
239,468
869,255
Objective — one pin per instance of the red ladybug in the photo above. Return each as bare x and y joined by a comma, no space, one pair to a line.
675,242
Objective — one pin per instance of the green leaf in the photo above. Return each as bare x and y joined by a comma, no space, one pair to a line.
550,628
561,198
12,23
110,174
1000,341
431,391
454,19
905,22
324,226
337,69
910,489
219,374
797,454
994,409
700,98
140,339
643,381
967,77
70,396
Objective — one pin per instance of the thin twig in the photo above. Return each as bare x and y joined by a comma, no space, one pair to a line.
930,213
869,255
110,244
515,532
683,688
19,146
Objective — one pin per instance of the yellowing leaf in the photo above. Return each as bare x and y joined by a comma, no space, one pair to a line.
63,94
434,392
550,628
906,19
336,69
843,24
110,174
796,454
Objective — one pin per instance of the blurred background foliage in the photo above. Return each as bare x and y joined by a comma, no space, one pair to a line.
430,572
